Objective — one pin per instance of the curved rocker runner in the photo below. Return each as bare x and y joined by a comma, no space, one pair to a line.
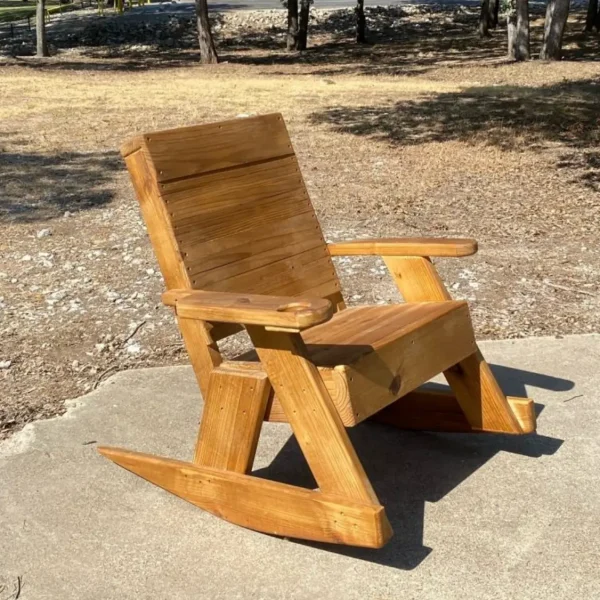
239,245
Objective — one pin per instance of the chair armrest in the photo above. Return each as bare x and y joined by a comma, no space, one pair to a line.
405,247
274,312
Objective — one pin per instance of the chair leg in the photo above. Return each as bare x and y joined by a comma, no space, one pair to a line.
234,409
480,397
312,415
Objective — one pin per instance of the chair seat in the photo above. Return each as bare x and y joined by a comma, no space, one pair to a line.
354,332
370,356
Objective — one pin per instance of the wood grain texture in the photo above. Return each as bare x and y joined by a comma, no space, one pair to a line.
452,247
472,380
335,382
253,231
131,145
417,279
190,151
157,222
312,415
401,364
248,227
439,410
230,211
481,397
234,409
370,356
267,506
202,350
273,311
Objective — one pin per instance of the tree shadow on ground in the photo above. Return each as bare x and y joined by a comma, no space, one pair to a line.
93,59
409,45
509,117
37,186
407,48
581,45
409,469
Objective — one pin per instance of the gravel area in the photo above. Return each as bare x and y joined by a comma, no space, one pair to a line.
426,132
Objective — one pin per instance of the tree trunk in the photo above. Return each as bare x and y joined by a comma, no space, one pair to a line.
557,12
292,24
361,22
208,53
40,29
518,31
303,24
484,19
488,17
591,20
495,9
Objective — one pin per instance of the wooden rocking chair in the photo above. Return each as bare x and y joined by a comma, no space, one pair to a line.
239,245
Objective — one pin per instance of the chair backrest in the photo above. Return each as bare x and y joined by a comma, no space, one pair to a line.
227,210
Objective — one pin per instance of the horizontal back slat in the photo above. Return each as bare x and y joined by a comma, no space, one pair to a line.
230,202
225,250
191,151
293,274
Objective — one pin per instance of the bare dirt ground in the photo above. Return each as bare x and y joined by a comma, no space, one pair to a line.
428,131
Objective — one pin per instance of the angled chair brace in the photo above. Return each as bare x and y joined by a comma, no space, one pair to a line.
239,246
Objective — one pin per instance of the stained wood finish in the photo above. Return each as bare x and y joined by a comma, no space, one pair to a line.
157,221
247,226
273,311
267,506
238,243
234,409
405,247
190,151
334,380
394,350
203,351
370,356
477,391
481,397
439,410
417,279
312,415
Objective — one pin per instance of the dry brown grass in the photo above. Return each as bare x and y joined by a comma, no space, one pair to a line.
465,146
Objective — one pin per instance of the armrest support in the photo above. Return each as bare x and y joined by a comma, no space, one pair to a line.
454,247
273,312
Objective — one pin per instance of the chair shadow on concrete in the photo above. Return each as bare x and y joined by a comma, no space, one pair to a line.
409,468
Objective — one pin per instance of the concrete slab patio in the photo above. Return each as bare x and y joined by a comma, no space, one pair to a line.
486,517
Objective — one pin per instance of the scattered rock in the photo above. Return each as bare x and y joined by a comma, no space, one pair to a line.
56,296
133,348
